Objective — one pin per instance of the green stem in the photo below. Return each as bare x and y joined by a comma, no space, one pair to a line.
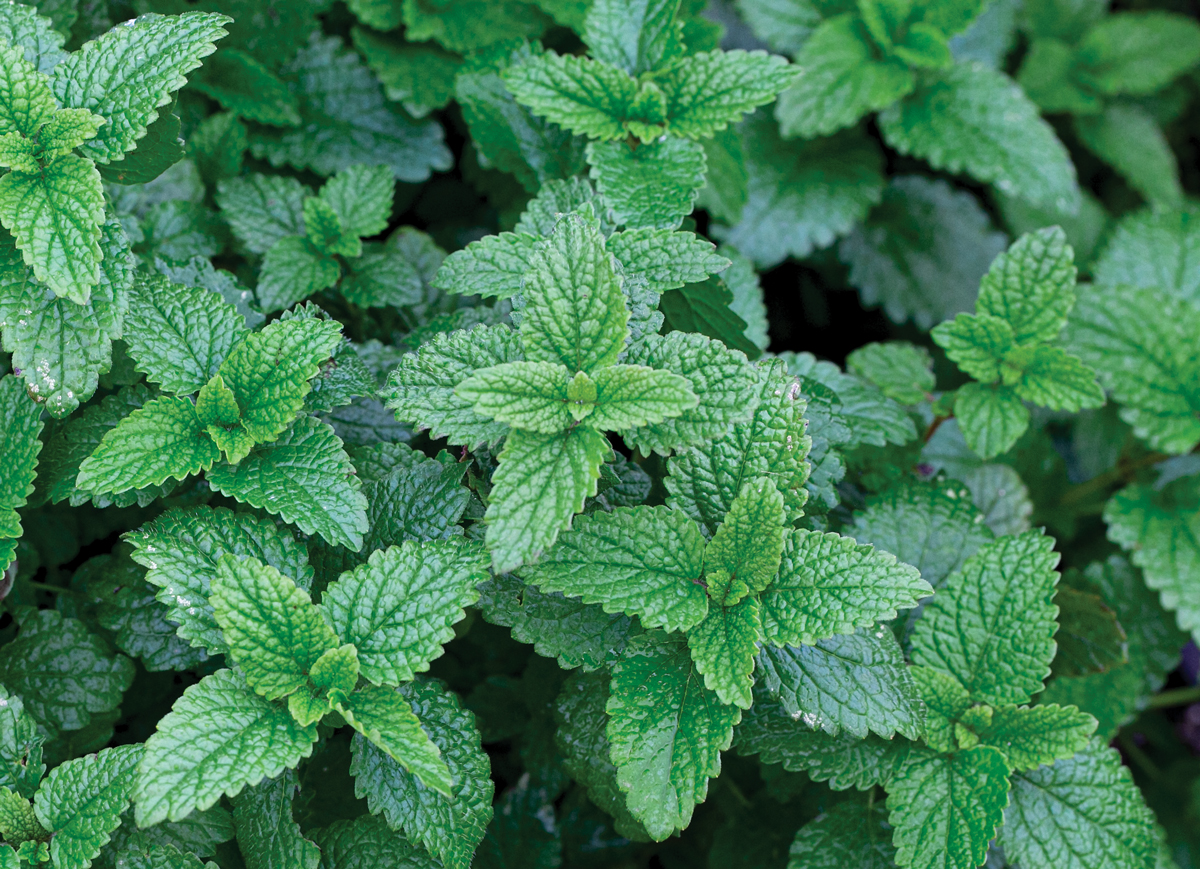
1122,473
53,589
1135,753
1175,697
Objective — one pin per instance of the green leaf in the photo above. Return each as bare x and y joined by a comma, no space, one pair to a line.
841,80
267,835
575,633
387,719
902,371
723,647
634,36
708,91
421,388
81,802
1136,52
847,834
450,829
19,824
651,186
494,265
182,548
922,252
126,74
666,259
629,396
744,554
361,197
588,97
945,808
1154,250
247,88
642,561
269,372
304,477
400,607
1031,736
218,737
473,24
27,104
19,445
1082,812
344,119
324,230
21,25
157,151
1129,139
705,308
64,673
829,585
421,77
992,418
1089,638
179,335
55,216
162,440
720,378
1053,378
977,343
262,209
380,278
527,395
992,625
854,683
1157,528
271,628
1031,286
705,479
21,766
802,195
293,270
367,841
1136,340
666,733
970,119
541,483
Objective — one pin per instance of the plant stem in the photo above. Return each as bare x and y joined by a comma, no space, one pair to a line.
53,589
1175,697
1122,473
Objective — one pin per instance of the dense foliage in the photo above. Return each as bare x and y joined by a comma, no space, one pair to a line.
599,433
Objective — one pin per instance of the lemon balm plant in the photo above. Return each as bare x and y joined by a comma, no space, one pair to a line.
444,433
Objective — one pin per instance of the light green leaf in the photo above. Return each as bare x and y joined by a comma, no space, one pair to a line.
19,449
126,74
361,197
841,80
22,25
745,552
1051,377
651,186
67,130
541,483
182,547
802,195
267,835
526,395
854,683
262,209
26,103
666,732
708,91
968,118
629,396
723,647
1137,339
945,808
977,343
162,440
304,477
902,371
634,35
292,270
643,561
588,97
21,741
218,737
66,675
1136,52
829,585
55,216
179,335
992,625
1154,250
1031,736
450,829
1082,813
1127,137
387,719
666,259
269,372
271,628
720,378
1031,286
399,608
992,418
81,802
494,265
421,388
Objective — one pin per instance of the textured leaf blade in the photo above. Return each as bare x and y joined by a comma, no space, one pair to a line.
387,719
